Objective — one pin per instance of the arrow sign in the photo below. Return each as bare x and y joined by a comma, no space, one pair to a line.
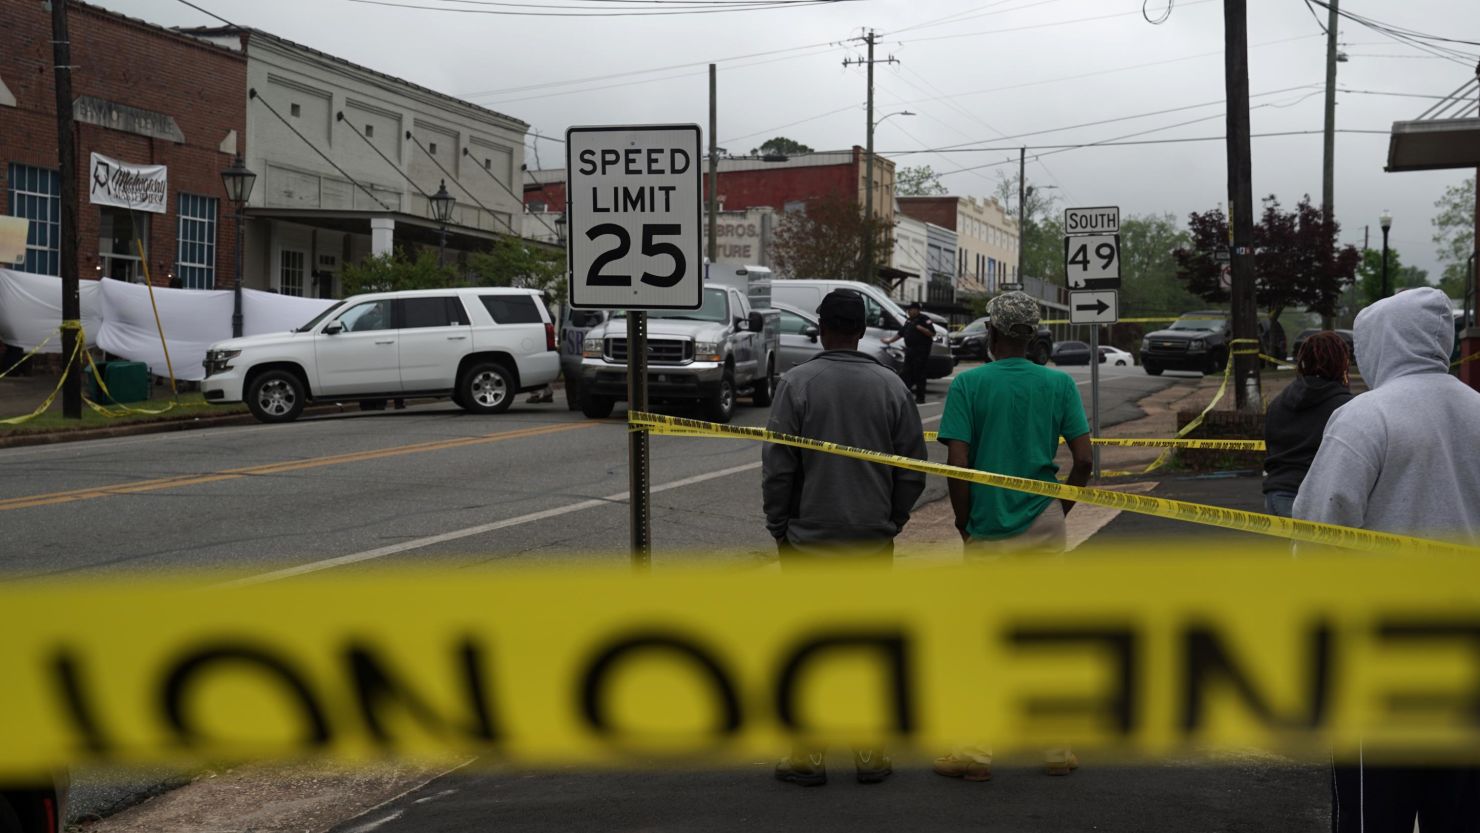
1101,306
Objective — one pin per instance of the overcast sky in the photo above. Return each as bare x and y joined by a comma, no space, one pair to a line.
972,72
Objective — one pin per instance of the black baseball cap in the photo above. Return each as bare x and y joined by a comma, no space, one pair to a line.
843,307
912,305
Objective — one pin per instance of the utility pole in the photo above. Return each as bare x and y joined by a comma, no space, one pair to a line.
61,50
1328,166
1022,217
713,249
869,38
1241,206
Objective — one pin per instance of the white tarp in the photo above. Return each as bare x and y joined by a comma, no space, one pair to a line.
119,318
31,309
140,187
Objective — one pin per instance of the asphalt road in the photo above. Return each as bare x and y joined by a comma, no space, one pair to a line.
429,485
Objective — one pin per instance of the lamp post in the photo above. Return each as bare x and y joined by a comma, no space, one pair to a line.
1386,220
442,205
868,196
238,180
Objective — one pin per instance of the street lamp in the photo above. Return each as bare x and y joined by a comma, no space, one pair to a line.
868,196
442,205
1386,220
238,180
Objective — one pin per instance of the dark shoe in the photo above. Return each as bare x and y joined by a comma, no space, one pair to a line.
811,772
872,765
952,766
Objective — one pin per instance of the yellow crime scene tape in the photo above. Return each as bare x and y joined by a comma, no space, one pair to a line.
1158,442
1307,532
1132,656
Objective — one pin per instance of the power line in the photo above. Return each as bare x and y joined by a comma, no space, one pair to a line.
649,11
1040,25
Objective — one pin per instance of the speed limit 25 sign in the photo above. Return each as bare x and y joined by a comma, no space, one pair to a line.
633,214
1092,247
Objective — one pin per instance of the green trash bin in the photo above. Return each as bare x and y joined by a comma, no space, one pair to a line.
126,381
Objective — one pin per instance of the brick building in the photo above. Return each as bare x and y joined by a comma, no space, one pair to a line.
144,96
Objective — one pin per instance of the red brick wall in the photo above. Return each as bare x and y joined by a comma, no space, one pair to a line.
126,62
938,210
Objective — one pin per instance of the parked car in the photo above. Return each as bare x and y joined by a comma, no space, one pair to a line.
478,346
800,341
883,314
1346,335
970,342
1116,356
1195,341
1070,352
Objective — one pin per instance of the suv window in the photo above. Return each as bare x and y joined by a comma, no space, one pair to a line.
792,324
371,315
512,309
444,311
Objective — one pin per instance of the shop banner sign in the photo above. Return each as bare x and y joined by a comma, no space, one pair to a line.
140,187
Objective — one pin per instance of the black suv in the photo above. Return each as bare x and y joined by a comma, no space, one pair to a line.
970,342
1196,341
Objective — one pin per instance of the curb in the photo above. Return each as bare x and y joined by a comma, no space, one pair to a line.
162,426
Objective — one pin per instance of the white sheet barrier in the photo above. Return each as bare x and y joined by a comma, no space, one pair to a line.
119,318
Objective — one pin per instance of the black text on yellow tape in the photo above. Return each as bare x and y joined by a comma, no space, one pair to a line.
1235,519
1137,656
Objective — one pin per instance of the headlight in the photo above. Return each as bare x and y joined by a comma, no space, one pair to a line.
709,351
216,360
1145,344
591,348
1198,344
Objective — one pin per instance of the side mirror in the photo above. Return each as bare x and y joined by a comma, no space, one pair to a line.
757,322
811,332
333,328
741,323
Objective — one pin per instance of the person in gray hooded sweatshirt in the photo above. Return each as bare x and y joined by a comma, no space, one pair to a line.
1401,459
825,506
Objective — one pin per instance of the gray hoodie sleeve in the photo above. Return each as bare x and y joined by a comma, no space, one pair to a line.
909,441
781,465
1339,483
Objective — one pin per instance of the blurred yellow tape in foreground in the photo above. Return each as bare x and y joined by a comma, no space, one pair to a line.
1235,519
598,666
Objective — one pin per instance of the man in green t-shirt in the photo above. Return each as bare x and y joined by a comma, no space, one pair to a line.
1006,417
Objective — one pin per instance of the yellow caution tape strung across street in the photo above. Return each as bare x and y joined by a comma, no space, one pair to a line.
1234,519
1125,655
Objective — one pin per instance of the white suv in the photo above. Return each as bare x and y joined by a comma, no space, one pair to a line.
479,346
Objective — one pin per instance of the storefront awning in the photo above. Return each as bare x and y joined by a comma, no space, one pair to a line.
1447,135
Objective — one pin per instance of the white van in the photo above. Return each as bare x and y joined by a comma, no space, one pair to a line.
883,315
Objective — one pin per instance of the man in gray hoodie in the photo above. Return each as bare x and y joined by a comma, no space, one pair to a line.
821,505
1402,459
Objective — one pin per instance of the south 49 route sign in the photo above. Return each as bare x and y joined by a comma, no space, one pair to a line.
1092,247
633,214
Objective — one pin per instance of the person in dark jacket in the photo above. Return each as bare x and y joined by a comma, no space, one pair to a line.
918,332
1297,418
826,506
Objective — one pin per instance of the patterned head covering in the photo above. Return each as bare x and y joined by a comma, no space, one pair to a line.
1014,314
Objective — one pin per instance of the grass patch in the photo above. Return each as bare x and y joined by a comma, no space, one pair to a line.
191,406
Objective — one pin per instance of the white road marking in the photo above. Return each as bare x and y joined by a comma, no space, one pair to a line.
468,532
368,826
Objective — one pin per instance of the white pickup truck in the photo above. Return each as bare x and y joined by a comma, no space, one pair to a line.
729,346
478,346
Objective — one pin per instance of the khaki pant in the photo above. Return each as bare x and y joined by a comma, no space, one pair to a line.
1046,536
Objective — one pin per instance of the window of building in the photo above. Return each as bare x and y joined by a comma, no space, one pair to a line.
121,233
290,272
369,131
196,256
295,110
487,164
432,148
36,195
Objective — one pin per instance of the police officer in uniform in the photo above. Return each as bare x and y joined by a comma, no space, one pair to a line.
918,332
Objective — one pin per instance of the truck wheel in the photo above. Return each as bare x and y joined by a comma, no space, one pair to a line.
275,396
721,406
1216,363
1039,353
765,387
597,407
1151,369
486,388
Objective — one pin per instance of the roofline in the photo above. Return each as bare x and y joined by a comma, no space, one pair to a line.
249,32
183,38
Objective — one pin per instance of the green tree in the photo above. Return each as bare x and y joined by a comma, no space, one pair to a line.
1369,276
826,240
1148,267
521,263
918,181
1043,230
1455,234
780,146
396,271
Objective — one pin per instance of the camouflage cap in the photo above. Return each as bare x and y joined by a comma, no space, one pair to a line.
1014,314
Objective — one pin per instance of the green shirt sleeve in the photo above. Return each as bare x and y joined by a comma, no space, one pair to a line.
956,422
1072,423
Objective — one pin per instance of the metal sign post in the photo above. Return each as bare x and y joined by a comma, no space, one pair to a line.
1092,262
633,210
